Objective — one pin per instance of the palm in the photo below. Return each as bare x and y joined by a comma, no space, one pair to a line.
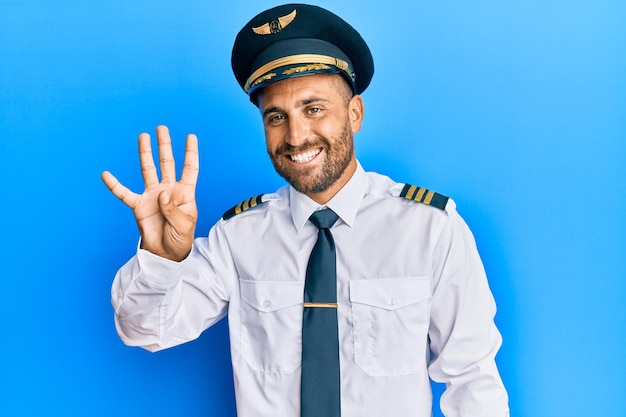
166,211
159,235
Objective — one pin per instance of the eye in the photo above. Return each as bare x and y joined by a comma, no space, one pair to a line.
275,119
314,110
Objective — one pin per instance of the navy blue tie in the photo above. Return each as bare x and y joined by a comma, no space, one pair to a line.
320,338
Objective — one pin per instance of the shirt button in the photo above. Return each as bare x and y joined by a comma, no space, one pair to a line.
391,302
267,303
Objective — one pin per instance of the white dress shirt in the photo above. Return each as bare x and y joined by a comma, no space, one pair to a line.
413,302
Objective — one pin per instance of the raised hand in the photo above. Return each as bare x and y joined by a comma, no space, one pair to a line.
166,212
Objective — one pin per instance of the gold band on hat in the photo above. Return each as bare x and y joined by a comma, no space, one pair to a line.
296,59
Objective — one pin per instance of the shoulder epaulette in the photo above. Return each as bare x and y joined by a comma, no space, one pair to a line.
422,195
243,206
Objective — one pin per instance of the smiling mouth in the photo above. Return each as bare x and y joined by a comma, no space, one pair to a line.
304,157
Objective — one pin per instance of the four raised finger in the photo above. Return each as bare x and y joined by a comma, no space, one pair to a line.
123,193
166,156
148,169
192,162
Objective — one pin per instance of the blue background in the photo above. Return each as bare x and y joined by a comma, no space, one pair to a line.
517,109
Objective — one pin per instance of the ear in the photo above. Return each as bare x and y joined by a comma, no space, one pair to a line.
356,112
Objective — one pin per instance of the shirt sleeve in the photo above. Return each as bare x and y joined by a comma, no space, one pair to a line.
160,303
463,337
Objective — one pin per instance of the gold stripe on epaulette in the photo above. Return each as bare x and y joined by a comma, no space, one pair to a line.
429,197
424,195
243,206
420,194
409,192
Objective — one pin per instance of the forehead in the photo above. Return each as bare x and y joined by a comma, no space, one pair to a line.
321,86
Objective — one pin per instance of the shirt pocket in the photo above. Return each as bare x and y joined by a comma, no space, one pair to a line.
390,320
271,336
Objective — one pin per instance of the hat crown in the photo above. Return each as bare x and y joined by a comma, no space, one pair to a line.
299,39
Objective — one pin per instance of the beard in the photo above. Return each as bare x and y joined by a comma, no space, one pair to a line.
313,180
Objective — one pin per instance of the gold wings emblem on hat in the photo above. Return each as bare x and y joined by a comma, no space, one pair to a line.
275,26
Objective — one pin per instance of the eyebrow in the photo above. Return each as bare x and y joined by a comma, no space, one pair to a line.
301,103
271,110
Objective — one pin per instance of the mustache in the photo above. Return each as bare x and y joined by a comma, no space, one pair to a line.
287,149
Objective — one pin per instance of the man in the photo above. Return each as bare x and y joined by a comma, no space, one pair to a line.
347,318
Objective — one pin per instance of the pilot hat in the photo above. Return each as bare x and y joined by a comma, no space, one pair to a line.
295,40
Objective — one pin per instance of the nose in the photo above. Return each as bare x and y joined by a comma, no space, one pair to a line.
297,131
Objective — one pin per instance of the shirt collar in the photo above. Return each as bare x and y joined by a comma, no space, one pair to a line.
345,203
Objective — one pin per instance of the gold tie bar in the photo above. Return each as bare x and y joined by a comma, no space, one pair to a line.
321,305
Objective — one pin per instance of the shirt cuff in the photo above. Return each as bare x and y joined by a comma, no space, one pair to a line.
160,272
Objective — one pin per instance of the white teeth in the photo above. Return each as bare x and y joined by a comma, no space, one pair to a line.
305,157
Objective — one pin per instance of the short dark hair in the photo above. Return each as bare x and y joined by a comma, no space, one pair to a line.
343,88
